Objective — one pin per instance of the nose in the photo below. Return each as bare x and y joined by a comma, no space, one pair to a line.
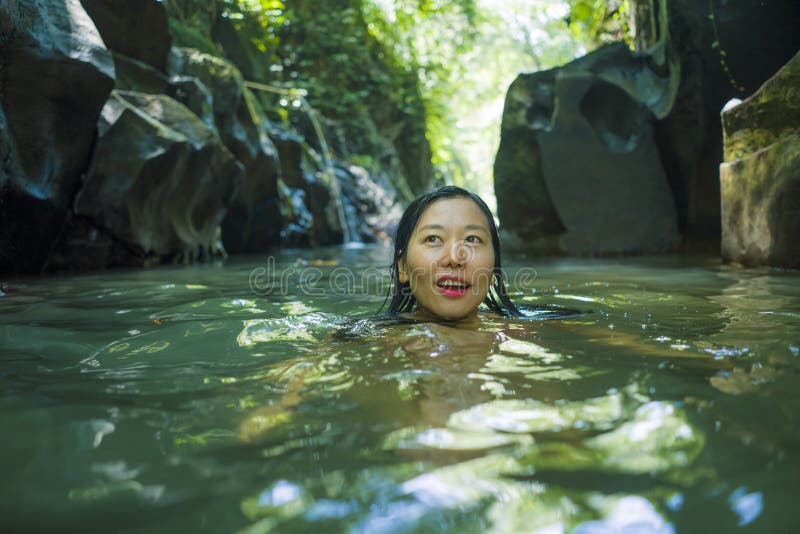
456,256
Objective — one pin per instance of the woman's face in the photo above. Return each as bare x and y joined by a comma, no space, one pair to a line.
450,259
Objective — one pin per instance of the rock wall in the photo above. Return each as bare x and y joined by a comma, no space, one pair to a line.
760,179
178,163
697,56
243,129
160,180
577,171
136,29
55,76
726,49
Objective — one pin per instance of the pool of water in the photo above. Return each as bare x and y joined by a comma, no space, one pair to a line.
243,397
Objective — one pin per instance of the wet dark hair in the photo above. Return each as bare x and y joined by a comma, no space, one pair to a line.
400,298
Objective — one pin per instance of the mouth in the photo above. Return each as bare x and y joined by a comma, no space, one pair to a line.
452,286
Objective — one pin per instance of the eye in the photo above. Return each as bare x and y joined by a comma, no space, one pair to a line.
473,239
431,239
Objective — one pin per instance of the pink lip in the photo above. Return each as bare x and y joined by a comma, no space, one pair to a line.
452,292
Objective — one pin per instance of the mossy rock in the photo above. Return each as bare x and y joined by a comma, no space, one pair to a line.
760,202
771,114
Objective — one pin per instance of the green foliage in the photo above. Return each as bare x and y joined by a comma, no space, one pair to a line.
259,20
370,96
722,53
190,37
192,22
600,21
321,47
429,38
326,49
194,15
415,72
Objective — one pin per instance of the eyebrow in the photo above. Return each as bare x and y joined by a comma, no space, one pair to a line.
440,227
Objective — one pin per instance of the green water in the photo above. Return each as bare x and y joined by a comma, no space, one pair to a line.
218,398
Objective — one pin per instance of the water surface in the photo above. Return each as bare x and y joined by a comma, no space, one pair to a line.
226,398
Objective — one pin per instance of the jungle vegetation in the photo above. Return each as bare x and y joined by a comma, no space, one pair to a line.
447,63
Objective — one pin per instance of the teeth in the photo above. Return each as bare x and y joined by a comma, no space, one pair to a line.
451,283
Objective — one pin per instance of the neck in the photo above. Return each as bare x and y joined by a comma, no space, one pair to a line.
423,315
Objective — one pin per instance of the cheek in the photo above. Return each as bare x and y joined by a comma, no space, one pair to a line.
420,263
490,261
486,271
486,262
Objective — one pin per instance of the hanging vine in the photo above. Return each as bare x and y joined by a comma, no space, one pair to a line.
722,54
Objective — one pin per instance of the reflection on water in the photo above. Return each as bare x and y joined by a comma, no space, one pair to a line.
180,399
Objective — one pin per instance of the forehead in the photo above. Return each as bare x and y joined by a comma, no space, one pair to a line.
453,212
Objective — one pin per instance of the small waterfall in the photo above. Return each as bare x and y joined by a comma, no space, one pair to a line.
329,172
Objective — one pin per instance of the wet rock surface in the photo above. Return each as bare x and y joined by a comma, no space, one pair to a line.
309,217
769,115
161,180
243,128
181,165
760,179
372,204
578,171
55,75
725,50
701,55
137,29
603,172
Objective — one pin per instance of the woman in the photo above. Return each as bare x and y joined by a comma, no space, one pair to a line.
447,260
446,264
